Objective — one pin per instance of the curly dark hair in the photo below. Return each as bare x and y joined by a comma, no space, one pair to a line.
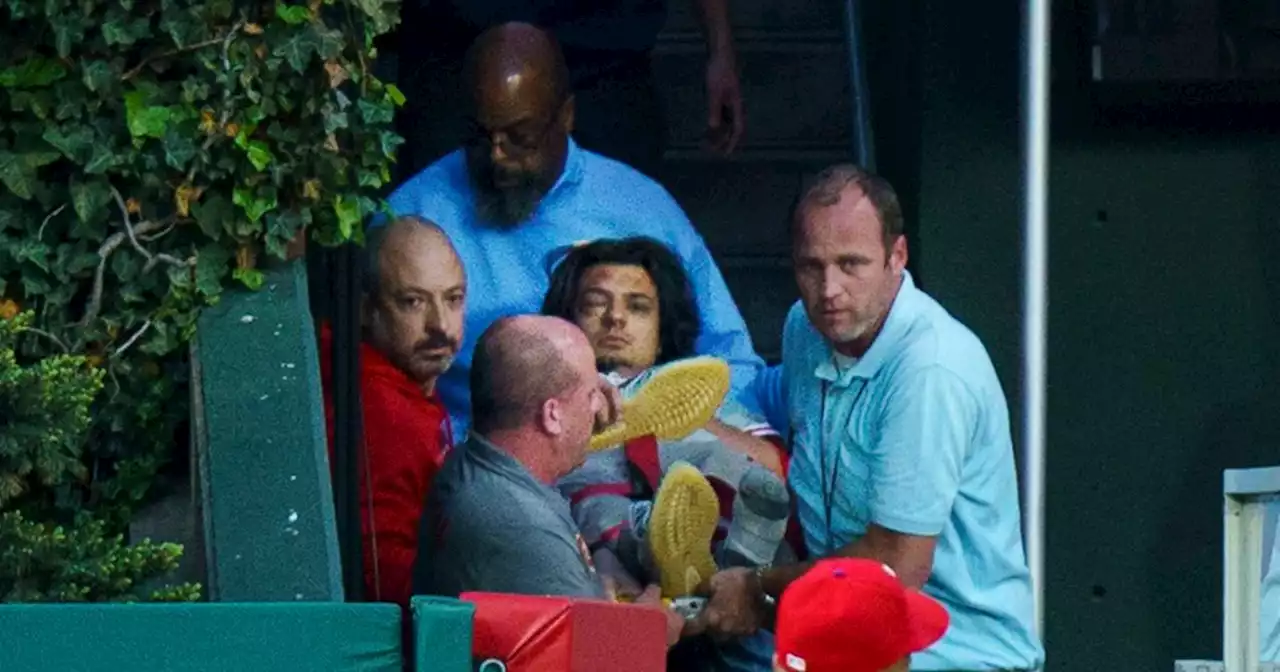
678,324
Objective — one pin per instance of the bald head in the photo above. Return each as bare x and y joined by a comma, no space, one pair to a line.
519,60
406,241
521,116
522,362
415,297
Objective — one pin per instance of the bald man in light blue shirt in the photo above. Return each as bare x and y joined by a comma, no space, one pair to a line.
520,192
901,448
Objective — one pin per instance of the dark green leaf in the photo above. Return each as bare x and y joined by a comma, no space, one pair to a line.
40,103
179,149
75,144
211,267
34,251
298,49
375,113
9,216
331,43
104,159
88,199
98,76
122,31
194,90
368,178
144,120
213,214
181,29
126,264
68,29
334,120
33,72
17,174
382,15
161,339
281,229
35,284
388,141
93,230
80,261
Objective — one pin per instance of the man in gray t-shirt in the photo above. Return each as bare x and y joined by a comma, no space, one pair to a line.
501,530
493,521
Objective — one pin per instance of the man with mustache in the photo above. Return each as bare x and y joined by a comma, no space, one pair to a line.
411,314
520,190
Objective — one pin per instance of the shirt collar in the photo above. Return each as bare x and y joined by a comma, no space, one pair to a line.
895,325
500,459
574,159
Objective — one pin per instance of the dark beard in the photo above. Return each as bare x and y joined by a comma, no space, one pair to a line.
509,206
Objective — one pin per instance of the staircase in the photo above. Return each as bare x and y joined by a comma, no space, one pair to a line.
801,115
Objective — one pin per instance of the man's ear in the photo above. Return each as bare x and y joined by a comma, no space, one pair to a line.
898,254
551,417
568,115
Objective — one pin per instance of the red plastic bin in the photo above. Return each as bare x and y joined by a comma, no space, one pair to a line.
558,634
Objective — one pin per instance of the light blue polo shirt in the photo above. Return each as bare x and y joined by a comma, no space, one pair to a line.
919,428
508,268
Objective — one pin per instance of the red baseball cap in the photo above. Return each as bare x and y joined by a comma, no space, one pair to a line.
853,615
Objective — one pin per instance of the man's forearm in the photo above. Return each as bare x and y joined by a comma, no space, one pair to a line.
759,450
775,580
715,25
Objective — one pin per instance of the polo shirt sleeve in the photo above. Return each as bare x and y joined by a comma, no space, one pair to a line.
925,428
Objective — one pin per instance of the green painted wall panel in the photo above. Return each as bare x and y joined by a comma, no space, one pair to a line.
262,462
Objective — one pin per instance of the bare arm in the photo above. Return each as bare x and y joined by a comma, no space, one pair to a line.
758,449
725,120
910,556
715,25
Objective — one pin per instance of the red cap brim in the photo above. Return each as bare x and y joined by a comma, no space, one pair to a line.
929,620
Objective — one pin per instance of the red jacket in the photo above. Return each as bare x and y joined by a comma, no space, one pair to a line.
406,435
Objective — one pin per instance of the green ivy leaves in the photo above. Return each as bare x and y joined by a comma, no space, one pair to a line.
33,72
18,171
152,154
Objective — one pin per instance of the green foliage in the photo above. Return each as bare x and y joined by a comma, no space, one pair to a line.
44,414
81,563
153,152
44,417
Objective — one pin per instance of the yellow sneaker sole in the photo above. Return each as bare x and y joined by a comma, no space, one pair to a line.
685,515
678,400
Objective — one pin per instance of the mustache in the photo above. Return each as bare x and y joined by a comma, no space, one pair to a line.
436,341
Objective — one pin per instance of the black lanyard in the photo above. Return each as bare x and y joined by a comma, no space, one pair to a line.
831,475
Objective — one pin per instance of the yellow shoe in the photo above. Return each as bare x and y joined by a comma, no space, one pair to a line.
674,401
685,515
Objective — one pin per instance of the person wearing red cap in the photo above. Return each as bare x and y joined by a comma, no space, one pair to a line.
854,615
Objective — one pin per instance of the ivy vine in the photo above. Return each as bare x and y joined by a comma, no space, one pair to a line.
153,151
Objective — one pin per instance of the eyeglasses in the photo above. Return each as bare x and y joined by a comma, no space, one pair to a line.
516,143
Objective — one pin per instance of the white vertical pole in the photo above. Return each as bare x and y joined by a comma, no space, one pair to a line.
1035,287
